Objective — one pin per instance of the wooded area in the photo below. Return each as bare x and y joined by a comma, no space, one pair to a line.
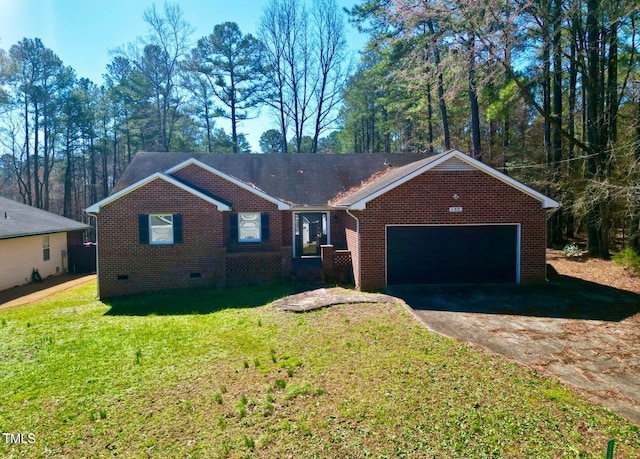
547,91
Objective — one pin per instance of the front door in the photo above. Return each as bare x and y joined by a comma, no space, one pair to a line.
311,233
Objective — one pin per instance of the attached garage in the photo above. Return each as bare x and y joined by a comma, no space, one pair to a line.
446,219
446,254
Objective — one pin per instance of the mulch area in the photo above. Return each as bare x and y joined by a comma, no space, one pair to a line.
604,272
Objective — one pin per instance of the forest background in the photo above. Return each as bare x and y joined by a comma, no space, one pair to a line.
546,91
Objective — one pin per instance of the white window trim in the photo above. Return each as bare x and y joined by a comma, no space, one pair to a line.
151,227
255,216
46,248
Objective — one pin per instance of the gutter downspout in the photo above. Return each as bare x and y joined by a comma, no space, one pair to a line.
97,255
358,240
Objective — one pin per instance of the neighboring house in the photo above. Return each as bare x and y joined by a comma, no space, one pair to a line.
34,239
180,220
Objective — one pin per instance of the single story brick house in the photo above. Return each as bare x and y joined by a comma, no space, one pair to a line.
177,220
31,240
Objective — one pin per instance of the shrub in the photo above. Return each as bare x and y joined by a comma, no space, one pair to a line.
628,259
573,251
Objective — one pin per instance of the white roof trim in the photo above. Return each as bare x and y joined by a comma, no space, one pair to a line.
547,202
192,161
95,208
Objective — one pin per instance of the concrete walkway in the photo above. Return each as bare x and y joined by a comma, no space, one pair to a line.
30,293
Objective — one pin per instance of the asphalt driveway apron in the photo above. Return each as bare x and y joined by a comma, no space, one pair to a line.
587,335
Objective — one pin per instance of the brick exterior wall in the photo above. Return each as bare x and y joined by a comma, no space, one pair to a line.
126,266
337,222
207,255
353,243
426,200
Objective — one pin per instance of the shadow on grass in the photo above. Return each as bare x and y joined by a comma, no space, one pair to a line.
563,297
195,301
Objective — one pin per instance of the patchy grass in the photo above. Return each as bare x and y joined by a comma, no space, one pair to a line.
222,374
629,259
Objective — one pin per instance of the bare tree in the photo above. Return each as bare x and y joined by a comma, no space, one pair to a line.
306,54
158,59
333,68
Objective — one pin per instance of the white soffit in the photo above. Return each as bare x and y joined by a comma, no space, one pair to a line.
95,208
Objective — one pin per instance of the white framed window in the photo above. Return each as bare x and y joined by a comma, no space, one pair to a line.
46,248
161,229
249,224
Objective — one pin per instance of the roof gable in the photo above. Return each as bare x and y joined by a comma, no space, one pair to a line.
18,220
95,208
448,161
246,186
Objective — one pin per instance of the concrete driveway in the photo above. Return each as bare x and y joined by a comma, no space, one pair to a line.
585,334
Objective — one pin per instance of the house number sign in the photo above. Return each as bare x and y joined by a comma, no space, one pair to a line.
455,209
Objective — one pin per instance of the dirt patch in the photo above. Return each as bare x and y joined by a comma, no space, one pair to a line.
604,272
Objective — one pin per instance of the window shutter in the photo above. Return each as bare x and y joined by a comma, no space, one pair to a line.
143,229
233,227
264,226
177,228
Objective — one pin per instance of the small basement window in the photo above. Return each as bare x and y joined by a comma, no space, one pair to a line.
161,229
249,227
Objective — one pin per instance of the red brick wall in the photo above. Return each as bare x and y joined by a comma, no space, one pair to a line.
242,201
426,200
351,235
205,232
337,222
153,267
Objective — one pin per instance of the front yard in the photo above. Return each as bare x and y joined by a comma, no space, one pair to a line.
223,374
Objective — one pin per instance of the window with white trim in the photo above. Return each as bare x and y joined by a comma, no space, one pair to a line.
161,229
249,225
46,248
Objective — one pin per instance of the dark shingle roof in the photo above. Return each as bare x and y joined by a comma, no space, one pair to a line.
17,220
384,181
302,179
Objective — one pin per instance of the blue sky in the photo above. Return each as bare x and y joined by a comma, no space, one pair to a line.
83,32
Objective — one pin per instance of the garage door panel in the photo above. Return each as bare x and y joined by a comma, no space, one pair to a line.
451,254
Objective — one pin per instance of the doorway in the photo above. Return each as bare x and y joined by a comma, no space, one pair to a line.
311,229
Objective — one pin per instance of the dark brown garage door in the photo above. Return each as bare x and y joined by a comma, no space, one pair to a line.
452,254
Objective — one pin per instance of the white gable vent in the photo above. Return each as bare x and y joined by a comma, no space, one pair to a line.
454,164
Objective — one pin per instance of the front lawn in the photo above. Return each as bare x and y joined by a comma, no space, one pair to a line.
222,374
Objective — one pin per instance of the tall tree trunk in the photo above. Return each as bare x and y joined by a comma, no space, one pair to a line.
441,102
36,156
27,148
476,150
67,204
595,244
555,222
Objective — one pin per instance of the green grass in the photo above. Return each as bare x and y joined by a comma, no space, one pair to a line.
629,259
222,374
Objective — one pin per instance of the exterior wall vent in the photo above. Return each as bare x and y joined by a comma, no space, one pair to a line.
454,164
